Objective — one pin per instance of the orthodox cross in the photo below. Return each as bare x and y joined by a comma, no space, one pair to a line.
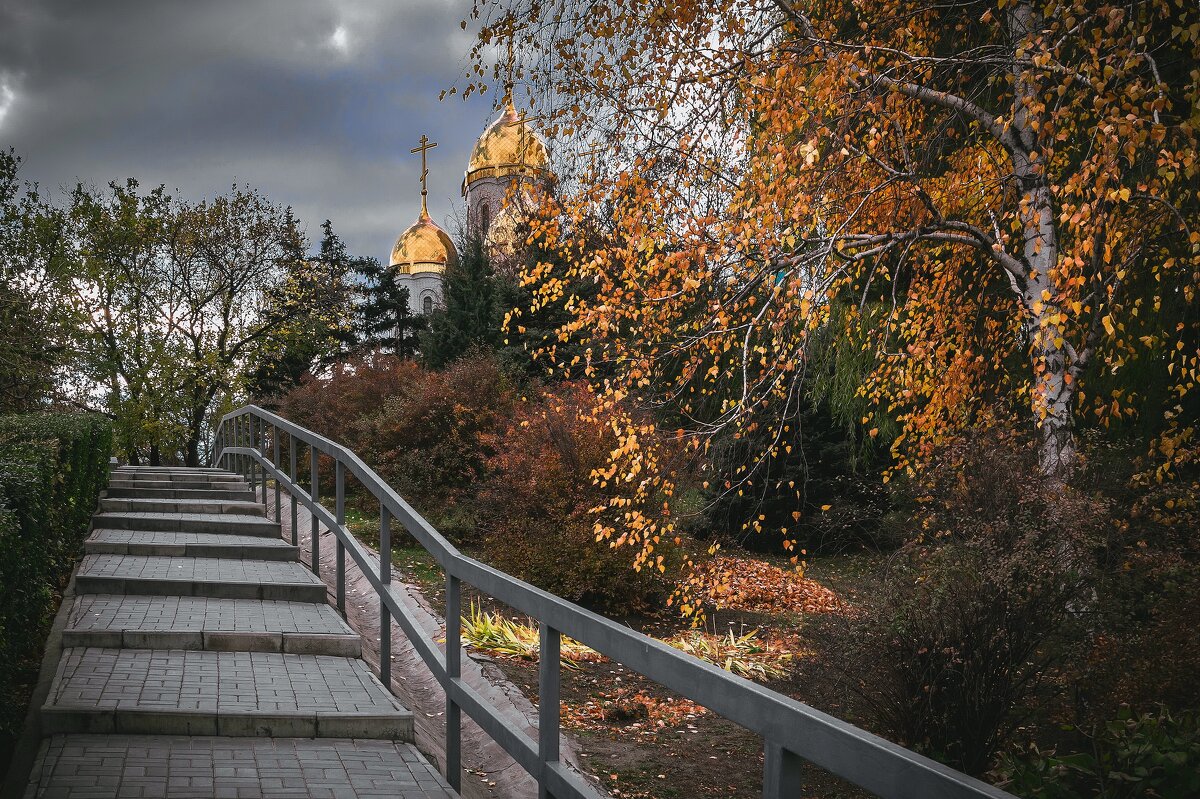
596,148
426,144
521,119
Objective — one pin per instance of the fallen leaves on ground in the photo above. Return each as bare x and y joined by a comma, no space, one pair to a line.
637,713
733,583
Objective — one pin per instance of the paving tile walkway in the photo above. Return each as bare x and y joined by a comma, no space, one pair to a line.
201,659
88,766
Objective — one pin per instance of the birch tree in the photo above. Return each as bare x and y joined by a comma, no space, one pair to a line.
994,201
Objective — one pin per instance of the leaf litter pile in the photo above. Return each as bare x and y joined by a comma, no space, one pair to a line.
633,712
746,584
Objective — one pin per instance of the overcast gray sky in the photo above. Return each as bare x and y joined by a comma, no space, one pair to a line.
315,102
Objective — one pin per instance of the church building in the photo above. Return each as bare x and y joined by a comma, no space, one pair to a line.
508,164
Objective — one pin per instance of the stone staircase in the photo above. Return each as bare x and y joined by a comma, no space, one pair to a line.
200,658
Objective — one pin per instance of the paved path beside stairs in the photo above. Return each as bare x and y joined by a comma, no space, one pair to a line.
201,659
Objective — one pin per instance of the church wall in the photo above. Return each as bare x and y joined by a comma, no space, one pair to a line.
420,286
486,193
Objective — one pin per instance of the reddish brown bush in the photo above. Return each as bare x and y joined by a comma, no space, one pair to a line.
535,506
428,434
333,404
980,603
433,439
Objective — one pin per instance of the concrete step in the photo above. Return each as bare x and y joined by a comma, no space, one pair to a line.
171,477
127,766
195,545
173,485
187,622
226,523
160,505
227,578
166,480
255,694
231,494
199,472
201,469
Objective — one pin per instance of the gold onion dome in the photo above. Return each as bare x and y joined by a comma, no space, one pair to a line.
424,247
510,146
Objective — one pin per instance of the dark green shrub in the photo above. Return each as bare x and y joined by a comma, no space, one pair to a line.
52,468
1135,755
977,606
811,489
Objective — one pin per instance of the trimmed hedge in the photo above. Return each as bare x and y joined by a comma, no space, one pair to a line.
52,469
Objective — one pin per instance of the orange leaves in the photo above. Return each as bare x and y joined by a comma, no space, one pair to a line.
1000,240
754,585
633,712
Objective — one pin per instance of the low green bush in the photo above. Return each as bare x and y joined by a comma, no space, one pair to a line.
1154,754
52,468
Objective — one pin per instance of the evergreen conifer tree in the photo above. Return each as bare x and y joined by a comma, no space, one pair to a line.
530,342
325,342
384,319
469,317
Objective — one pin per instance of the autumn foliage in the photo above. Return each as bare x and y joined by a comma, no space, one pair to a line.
747,584
424,432
950,207
537,505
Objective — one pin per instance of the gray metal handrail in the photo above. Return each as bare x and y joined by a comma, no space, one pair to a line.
792,731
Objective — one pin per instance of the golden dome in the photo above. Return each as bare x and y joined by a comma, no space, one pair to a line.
509,146
424,247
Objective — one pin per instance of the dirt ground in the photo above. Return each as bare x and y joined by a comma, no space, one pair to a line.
643,742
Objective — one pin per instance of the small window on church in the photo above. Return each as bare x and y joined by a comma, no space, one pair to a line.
485,218
427,305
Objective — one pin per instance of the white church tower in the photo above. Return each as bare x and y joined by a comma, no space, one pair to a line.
509,164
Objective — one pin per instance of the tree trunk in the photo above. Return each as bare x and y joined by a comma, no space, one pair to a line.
193,442
1053,384
201,400
1057,457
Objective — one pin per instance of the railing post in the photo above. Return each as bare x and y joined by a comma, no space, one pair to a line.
275,448
453,672
781,772
247,436
262,450
243,459
340,510
253,462
385,615
549,681
292,488
315,493
218,443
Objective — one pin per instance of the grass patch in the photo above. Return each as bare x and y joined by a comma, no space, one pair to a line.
745,655
493,633
409,558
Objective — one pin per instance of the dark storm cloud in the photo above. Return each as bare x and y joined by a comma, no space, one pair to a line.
315,102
